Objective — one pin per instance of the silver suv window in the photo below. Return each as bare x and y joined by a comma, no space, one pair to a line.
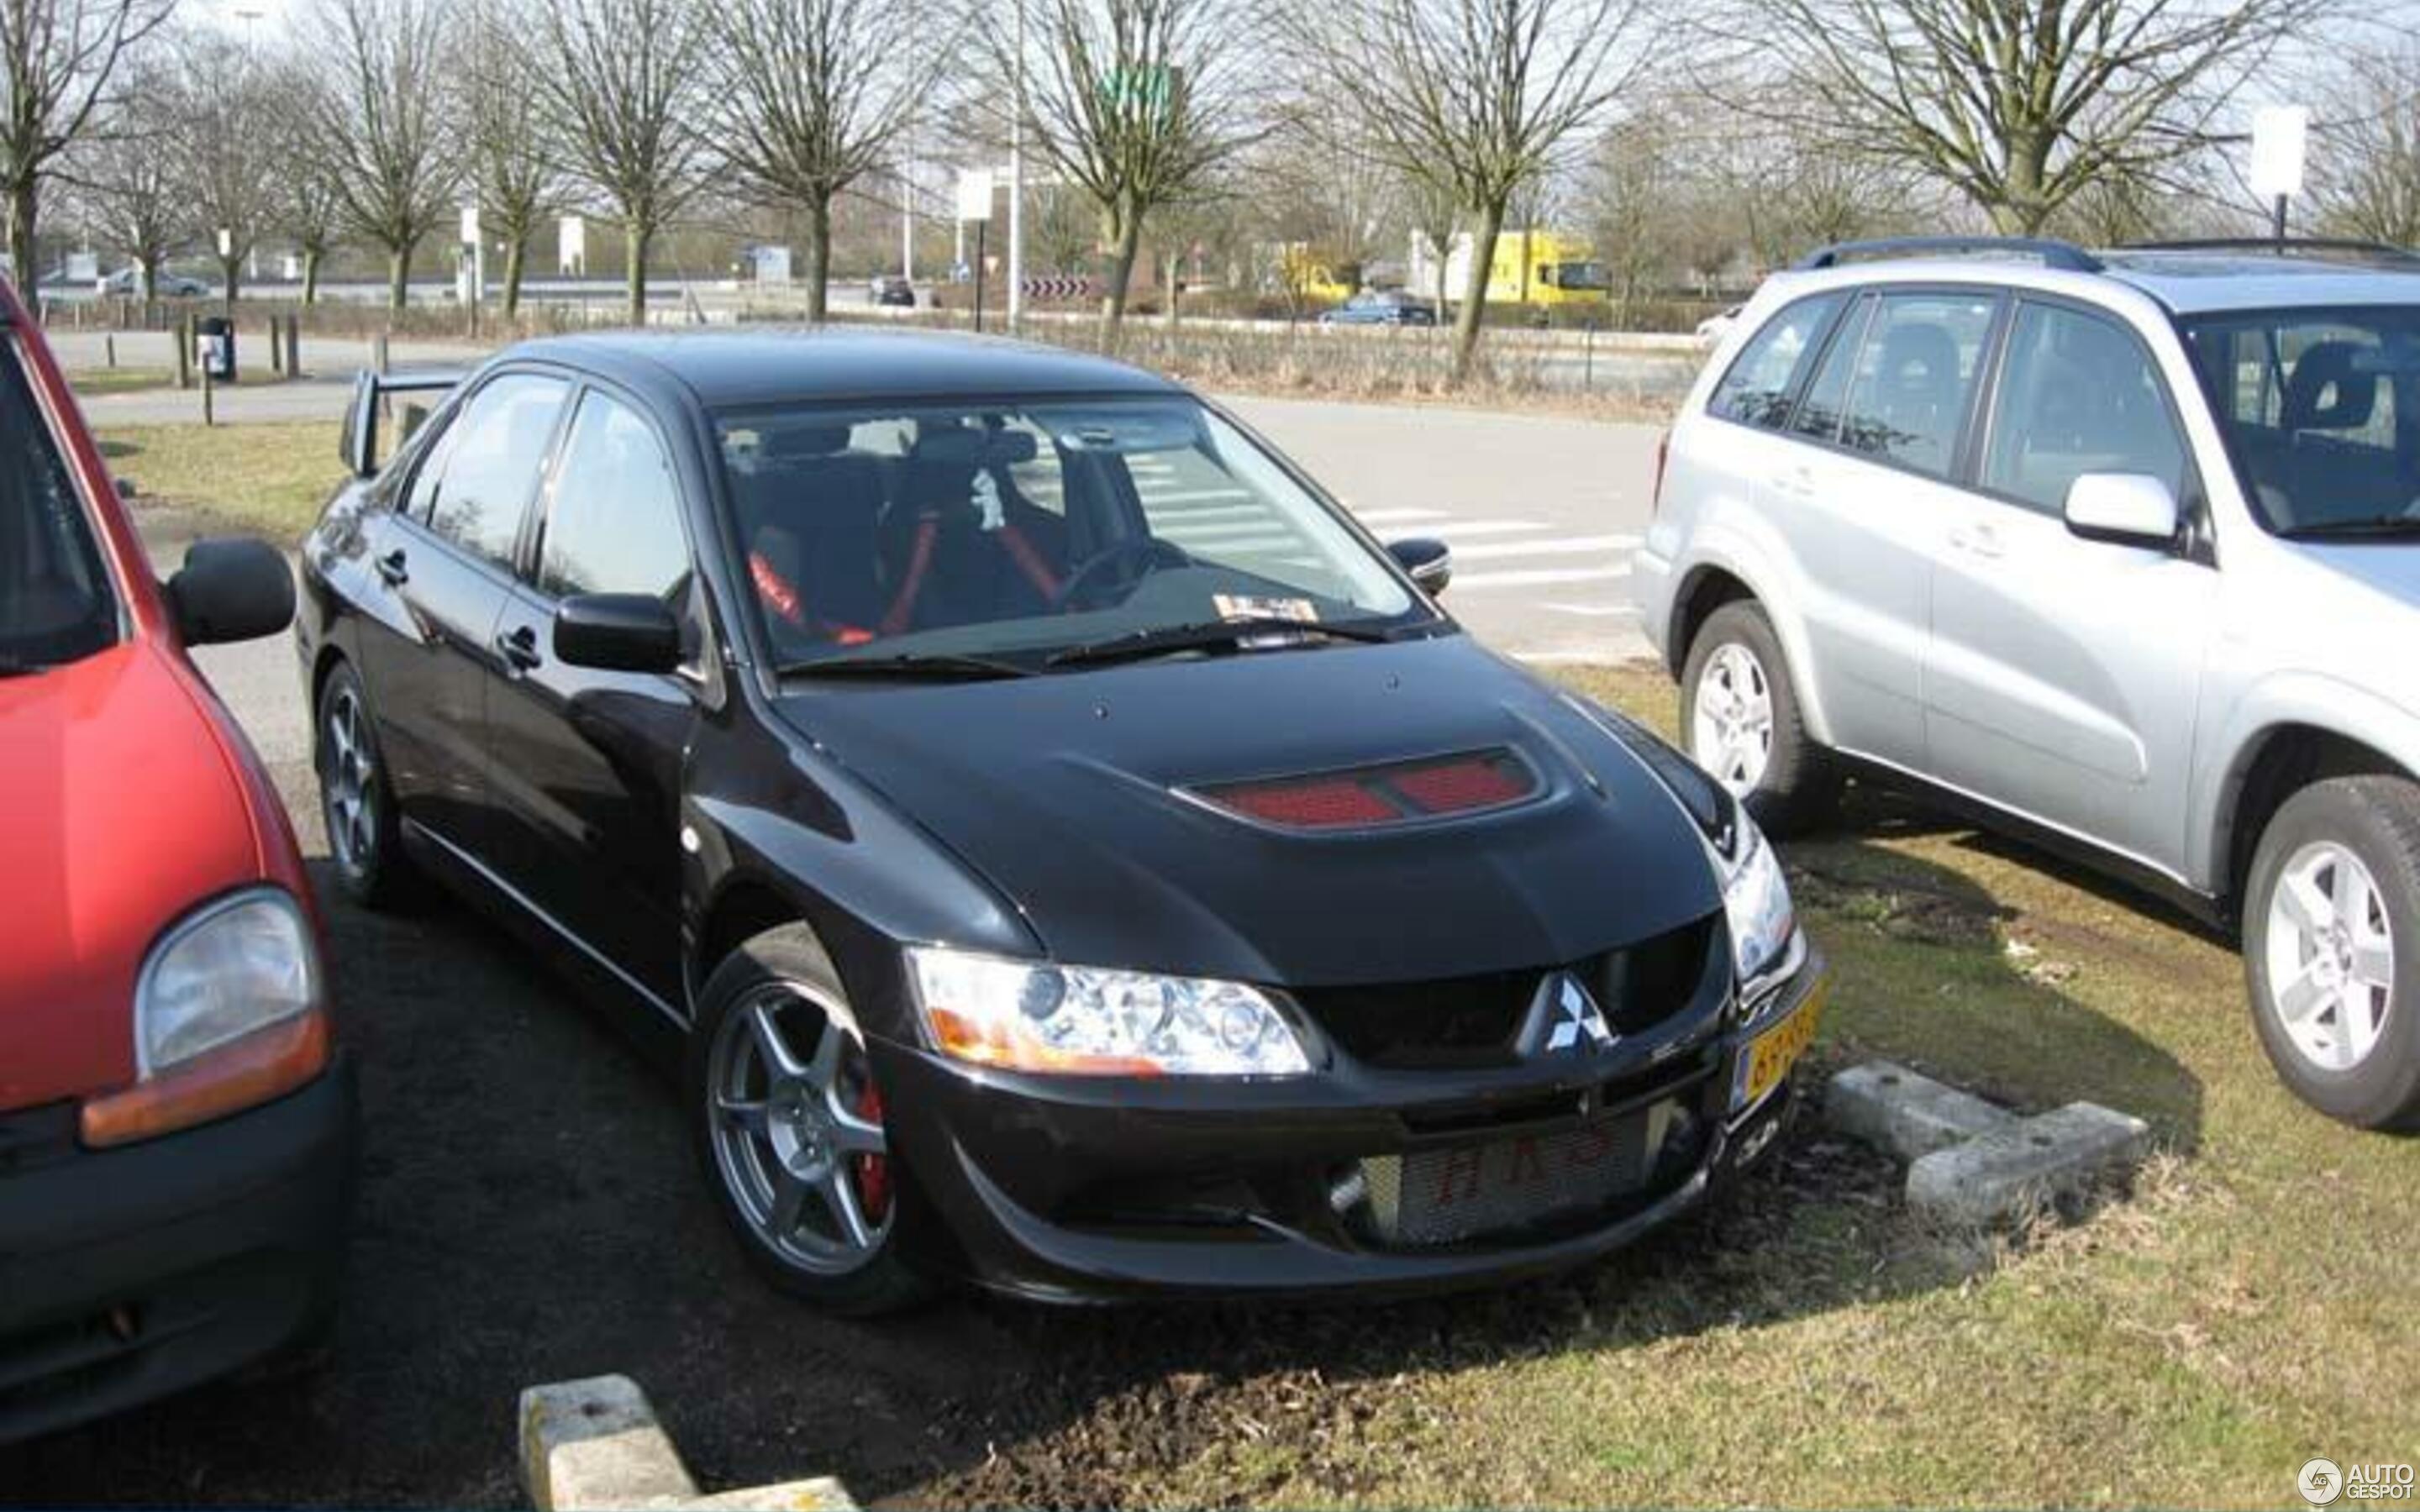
2077,394
1915,375
1756,389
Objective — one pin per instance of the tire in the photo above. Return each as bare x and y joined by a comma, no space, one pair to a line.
365,842
2335,989
1757,747
798,1159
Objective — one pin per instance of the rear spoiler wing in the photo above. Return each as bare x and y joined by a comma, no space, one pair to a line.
358,442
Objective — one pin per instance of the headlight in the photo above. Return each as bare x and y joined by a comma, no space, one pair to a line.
236,965
1032,1015
1756,901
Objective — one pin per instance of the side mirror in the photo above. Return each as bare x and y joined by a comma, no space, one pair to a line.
231,589
2124,508
617,633
1429,561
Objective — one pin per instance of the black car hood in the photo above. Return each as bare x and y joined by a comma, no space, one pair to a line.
1061,790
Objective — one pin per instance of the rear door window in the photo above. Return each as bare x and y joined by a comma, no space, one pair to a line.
1758,388
614,526
2077,394
1915,375
55,601
475,493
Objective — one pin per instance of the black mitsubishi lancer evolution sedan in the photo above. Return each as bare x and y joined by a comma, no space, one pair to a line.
1057,845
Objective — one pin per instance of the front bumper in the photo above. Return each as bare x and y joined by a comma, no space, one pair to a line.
1077,1190
128,1274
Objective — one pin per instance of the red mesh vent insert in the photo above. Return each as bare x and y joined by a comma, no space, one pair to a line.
1319,803
1462,784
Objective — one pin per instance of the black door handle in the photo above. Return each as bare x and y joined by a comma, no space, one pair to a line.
518,648
391,567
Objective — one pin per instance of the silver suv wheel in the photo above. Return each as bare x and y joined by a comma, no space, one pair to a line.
1731,725
2330,956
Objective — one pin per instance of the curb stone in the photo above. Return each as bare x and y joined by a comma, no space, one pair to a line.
595,1446
1970,1161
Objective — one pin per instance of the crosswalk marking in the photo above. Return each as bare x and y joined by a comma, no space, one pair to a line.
1397,516
1562,544
1537,579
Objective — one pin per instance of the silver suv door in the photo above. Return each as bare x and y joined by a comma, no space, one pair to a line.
1879,429
2063,672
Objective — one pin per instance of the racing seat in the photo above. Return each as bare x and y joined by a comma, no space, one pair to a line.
809,516
959,544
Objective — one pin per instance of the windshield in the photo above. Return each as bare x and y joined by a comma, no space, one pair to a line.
2321,411
55,603
1018,532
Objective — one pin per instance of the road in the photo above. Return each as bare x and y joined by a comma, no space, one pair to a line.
1542,511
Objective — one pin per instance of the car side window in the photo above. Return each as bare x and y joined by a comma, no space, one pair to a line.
478,489
1915,372
614,525
1828,393
2077,394
1756,389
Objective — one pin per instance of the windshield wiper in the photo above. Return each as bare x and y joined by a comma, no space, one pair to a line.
1204,634
936,665
2373,526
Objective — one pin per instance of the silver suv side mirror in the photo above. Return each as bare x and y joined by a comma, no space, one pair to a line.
2125,508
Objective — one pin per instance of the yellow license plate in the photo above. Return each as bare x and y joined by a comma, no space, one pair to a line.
1769,1056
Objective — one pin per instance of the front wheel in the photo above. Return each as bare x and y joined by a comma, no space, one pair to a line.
355,798
793,1131
2331,948
1739,716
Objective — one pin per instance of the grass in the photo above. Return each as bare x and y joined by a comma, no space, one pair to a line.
270,478
2247,1307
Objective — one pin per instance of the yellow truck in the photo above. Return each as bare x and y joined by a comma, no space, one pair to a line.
1545,268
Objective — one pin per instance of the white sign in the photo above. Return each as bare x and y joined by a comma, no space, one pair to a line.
2278,135
470,224
226,242
572,254
974,195
83,268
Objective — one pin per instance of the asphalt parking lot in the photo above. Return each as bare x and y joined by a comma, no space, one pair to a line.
530,1211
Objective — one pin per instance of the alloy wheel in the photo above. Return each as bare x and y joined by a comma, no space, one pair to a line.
349,781
1730,728
2330,955
797,1128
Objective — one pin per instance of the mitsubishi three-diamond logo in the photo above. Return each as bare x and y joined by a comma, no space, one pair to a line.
1575,1022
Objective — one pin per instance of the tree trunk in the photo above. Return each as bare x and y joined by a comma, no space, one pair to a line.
399,276
1169,316
231,269
635,236
516,260
1483,230
23,200
311,257
146,273
1444,253
1126,238
818,255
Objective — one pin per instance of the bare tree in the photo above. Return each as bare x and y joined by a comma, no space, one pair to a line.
1435,210
60,62
2366,163
1136,101
514,160
128,178
226,148
620,80
1486,95
2019,104
382,117
817,95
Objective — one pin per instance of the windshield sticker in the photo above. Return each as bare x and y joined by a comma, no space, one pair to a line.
1249,606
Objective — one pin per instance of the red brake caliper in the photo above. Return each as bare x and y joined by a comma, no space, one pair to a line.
873,1171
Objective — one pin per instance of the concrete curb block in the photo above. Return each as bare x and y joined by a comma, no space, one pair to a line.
595,1446
1970,1161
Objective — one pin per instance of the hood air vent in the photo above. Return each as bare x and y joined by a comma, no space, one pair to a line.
1373,797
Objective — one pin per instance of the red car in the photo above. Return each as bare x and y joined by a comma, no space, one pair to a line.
176,1131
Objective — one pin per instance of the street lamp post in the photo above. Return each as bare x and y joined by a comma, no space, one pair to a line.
1016,183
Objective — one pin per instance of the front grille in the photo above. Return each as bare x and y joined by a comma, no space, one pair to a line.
1476,1020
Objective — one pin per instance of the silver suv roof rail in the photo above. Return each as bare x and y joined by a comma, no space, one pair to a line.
2381,255
2064,256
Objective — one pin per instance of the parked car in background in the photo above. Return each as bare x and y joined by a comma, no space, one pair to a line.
1381,307
1059,846
2123,550
177,1128
893,291
128,281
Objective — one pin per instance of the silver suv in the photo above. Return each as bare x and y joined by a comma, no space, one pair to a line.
2123,549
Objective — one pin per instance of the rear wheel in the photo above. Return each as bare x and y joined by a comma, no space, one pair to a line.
355,799
1740,716
793,1131
2331,948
